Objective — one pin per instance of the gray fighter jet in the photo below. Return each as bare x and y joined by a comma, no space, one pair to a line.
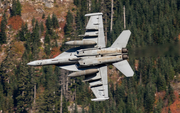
91,57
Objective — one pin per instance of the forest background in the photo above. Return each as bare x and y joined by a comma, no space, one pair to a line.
48,89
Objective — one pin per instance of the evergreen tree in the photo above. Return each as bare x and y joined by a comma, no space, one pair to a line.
47,39
35,34
76,2
55,21
149,98
68,27
171,95
161,83
43,16
75,110
24,98
4,18
42,27
49,25
33,21
2,32
65,109
18,8
1,96
22,32
13,10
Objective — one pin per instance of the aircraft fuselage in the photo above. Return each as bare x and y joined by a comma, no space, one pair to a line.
85,57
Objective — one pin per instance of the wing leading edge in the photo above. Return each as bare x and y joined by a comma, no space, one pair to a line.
95,30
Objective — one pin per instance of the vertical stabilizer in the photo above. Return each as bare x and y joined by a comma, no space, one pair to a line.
122,39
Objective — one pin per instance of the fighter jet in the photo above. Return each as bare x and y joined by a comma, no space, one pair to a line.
91,57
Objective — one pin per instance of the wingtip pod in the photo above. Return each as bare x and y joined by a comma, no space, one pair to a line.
100,99
93,14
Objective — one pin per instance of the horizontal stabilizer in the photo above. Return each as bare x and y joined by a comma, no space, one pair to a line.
99,99
122,39
124,67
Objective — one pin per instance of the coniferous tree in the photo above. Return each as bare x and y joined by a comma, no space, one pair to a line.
76,2
18,8
148,98
13,10
42,27
65,109
2,32
55,21
22,32
24,98
68,27
171,95
43,16
35,34
1,96
4,18
49,25
161,83
33,21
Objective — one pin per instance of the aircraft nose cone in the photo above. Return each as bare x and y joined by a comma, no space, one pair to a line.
31,64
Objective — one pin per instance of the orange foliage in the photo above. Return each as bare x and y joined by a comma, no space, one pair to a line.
159,95
18,48
55,52
15,22
0,20
28,8
62,25
175,107
179,37
136,64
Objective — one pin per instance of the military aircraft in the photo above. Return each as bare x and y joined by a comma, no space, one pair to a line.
92,56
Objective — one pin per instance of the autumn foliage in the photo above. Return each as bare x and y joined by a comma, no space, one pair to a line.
15,22
0,19
174,107
55,52
18,48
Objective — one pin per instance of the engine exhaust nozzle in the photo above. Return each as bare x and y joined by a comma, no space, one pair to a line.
124,50
125,57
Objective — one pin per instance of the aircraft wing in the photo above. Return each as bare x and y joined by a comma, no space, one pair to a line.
94,30
99,84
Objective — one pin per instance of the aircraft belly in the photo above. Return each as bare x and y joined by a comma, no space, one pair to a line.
71,67
100,60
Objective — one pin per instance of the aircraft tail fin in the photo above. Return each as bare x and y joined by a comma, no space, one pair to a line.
124,67
122,39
